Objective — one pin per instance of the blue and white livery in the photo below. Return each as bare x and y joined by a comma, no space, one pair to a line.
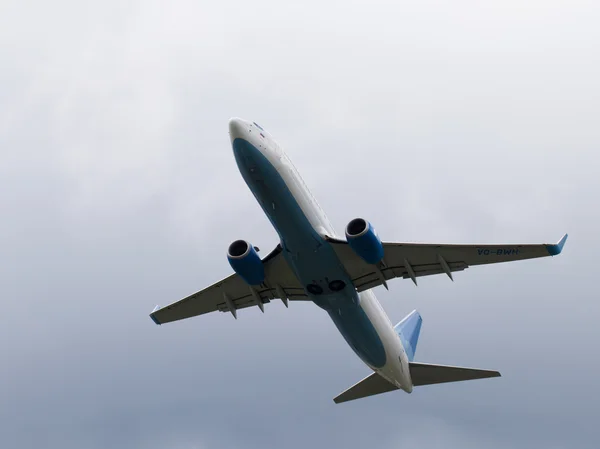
337,273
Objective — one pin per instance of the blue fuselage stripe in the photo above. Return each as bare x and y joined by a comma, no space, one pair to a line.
313,259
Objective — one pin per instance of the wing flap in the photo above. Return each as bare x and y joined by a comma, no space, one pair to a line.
369,386
427,374
267,295
372,279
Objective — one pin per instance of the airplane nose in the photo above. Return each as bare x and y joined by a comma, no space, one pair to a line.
238,128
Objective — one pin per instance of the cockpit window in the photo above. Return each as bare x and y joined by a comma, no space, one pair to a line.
258,126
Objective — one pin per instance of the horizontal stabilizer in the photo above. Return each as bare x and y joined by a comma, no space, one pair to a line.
426,374
369,386
421,373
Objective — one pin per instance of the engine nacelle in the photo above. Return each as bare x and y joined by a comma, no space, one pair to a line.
364,241
246,262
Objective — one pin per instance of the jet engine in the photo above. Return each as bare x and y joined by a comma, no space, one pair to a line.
246,262
364,241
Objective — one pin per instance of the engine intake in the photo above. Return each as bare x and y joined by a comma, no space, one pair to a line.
364,241
246,262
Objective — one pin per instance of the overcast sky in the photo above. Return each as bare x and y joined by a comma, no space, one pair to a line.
438,121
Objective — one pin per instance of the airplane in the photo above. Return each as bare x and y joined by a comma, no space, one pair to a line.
313,263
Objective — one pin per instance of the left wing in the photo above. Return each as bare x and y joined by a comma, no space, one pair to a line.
233,293
412,260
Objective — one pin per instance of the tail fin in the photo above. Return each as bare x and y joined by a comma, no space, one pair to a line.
409,329
421,373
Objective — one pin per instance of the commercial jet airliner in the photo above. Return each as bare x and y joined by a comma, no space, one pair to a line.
312,263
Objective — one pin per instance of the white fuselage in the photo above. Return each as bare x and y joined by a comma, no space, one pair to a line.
303,227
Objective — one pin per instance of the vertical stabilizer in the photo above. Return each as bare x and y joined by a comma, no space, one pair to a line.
408,329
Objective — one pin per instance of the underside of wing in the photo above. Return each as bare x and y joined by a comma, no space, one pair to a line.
413,260
233,293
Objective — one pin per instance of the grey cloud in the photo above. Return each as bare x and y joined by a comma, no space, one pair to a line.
455,122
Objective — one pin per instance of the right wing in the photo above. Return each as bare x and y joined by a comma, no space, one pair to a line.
413,260
234,293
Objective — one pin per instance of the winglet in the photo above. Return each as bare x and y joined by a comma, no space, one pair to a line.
154,317
555,250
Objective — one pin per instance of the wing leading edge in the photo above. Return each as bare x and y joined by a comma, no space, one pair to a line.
412,260
232,293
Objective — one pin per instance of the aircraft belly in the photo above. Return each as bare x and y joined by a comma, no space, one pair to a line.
313,260
360,334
